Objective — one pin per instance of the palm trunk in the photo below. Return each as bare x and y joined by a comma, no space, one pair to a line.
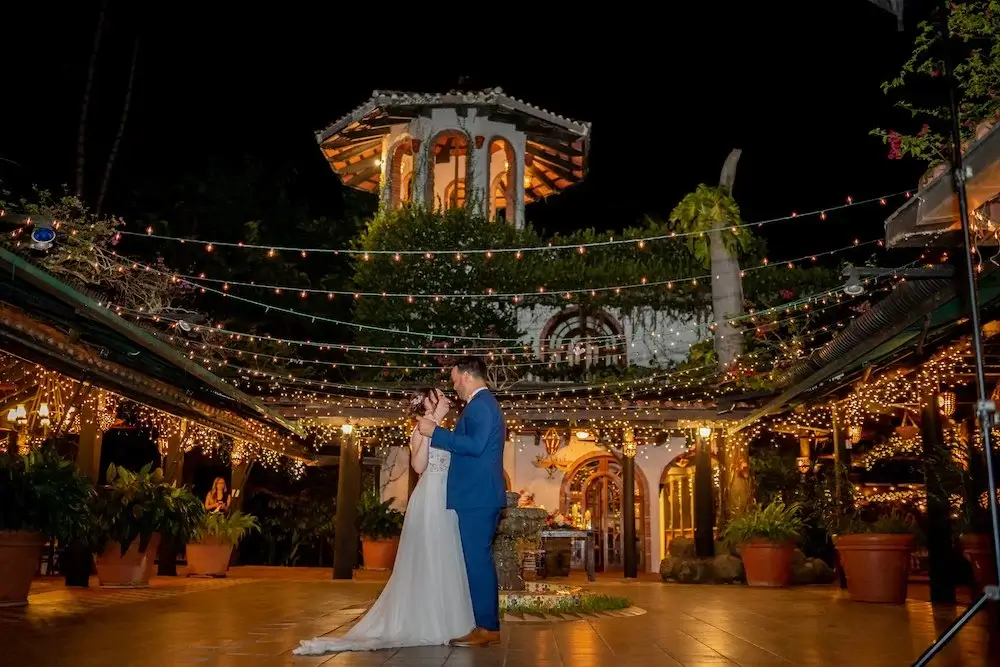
727,286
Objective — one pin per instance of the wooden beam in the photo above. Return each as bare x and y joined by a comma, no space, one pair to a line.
345,154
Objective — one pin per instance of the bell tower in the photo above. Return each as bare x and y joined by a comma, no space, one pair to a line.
481,149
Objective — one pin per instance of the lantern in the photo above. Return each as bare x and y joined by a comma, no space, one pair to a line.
946,402
854,432
552,440
629,446
803,464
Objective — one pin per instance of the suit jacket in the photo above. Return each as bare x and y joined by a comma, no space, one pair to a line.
475,478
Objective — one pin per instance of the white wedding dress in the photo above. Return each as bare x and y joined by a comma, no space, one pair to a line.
426,601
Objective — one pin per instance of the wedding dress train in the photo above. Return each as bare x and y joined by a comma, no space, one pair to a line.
426,601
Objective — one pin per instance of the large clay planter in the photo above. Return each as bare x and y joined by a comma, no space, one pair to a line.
20,553
379,554
209,559
133,570
877,566
978,550
767,564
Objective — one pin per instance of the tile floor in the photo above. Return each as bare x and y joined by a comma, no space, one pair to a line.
256,618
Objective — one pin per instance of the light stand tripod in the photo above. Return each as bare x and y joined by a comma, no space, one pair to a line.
985,408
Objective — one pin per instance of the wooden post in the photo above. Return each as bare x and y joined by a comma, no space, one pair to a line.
630,558
88,453
345,538
238,481
173,460
939,538
704,499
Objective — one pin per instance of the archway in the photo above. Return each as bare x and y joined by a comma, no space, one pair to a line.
502,178
447,164
589,338
677,498
399,172
594,484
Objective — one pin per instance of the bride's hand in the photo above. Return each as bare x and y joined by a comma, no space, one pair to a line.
443,405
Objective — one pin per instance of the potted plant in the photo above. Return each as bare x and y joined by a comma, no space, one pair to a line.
41,496
131,513
380,527
976,541
766,539
876,557
209,552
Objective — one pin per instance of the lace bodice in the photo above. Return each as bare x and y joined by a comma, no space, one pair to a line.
438,460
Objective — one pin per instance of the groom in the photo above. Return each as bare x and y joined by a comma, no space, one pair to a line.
476,489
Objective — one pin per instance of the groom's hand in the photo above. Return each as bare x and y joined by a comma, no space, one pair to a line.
426,427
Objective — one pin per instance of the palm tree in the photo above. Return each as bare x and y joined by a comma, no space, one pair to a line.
711,216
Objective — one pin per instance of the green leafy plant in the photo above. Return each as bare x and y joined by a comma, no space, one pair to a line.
225,530
45,493
777,523
377,520
893,522
588,603
134,505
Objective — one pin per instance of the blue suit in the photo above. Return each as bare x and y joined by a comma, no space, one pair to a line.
477,493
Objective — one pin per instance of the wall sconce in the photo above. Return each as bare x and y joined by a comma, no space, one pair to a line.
705,431
583,435
347,429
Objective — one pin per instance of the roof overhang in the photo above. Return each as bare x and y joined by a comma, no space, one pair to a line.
48,322
556,146
933,211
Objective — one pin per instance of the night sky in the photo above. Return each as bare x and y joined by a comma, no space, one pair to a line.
669,94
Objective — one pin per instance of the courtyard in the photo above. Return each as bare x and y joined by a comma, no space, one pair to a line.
258,615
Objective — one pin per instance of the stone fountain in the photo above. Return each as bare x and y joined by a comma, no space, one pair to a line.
523,525
517,524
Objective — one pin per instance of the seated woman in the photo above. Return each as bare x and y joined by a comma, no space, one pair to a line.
217,499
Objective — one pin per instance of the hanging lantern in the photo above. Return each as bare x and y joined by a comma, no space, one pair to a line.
946,402
803,464
854,432
552,441
629,446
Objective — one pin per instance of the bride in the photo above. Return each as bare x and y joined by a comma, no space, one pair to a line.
426,601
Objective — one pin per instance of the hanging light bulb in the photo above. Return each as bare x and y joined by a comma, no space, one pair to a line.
43,410
21,415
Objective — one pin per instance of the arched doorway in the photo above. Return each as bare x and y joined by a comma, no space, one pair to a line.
594,484
677,498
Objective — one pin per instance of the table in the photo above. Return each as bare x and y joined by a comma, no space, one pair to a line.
588,545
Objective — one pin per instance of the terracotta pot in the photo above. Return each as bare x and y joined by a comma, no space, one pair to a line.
133,570
877,566
767,564
20,553
209,558
978,550
379,554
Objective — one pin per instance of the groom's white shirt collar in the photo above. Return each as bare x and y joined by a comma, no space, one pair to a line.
474,394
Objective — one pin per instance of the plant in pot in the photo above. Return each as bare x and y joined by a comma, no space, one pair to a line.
209,552
131,514
41,496
976,541
876,556
380,527
766,538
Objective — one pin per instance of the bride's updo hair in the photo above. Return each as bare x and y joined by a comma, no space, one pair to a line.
417,399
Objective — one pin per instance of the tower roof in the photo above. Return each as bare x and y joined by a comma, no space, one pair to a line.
556,145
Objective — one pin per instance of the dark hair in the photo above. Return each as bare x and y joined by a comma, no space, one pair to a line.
474,366
417,399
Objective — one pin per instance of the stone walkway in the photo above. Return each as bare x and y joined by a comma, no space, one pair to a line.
256,618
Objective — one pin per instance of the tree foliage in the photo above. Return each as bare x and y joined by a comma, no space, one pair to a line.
974,26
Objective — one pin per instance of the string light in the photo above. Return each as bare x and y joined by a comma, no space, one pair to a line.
641,243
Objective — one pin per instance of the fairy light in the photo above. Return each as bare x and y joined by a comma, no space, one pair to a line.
640,243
